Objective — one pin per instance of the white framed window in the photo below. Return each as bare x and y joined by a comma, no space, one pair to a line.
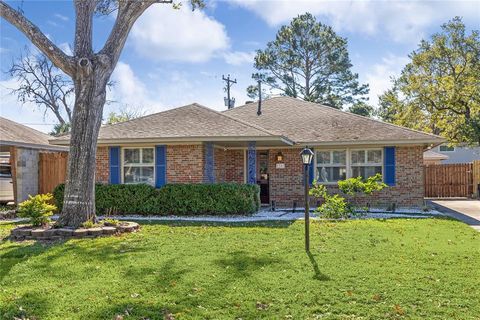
331,165
334,165
366,163
446,148
138,165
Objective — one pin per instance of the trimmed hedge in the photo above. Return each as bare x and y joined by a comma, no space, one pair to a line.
172,199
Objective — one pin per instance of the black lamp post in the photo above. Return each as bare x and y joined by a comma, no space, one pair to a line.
307,156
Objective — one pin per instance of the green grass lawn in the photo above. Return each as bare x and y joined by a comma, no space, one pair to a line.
367,269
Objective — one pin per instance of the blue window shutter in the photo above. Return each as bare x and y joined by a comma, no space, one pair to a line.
114,165
389,166
311,170
160,166
252,163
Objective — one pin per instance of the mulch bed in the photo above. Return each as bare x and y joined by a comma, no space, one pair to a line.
26,232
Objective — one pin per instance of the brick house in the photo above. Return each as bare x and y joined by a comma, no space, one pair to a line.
194,144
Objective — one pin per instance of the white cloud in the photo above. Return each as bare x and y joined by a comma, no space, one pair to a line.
65,47
178,35
380,76
237,58
28,114
61,17
402,21
53,23
129,90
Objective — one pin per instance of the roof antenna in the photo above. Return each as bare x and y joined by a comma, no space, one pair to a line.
259,111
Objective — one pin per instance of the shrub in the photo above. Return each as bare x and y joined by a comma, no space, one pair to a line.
90,224
177,199
352,186
334,207
111,222
38,209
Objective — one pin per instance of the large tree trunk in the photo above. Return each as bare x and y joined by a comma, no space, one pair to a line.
90,94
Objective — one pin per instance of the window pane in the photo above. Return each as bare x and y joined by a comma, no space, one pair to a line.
339,173
5,172
358,156
339,157
131,156
366,172
374,156
323,157
147,156
138,175
331,174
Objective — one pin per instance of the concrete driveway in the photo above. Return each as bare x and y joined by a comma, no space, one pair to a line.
467,211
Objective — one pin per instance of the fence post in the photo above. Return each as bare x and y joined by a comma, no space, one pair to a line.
476,178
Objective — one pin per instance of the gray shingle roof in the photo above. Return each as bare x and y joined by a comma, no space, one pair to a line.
283,118
191,121
307,122
16,134
432,155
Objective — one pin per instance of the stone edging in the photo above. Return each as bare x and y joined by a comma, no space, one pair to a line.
42,234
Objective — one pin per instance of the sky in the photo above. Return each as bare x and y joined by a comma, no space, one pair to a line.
176,57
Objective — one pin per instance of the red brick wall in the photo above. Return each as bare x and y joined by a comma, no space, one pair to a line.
103,167
185,163
219,160
234,166
286,185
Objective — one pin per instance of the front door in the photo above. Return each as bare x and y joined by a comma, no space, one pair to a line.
263,176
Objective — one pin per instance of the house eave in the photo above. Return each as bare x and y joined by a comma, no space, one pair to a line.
423,142
33,146
271,140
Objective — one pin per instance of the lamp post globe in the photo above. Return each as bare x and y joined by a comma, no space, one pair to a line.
307,156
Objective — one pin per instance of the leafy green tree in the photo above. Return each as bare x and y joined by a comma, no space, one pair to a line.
309,60
361,108
124,114
60,128
439,90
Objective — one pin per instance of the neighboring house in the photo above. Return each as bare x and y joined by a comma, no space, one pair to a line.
19,149
431,157
194,144
456,154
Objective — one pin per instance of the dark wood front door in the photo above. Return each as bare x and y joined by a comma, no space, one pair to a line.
263,176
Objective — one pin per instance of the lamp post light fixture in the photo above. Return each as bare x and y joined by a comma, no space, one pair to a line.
307,156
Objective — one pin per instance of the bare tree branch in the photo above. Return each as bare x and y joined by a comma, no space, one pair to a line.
58,57
42,84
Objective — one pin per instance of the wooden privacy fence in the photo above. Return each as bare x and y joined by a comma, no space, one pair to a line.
449,180
52,170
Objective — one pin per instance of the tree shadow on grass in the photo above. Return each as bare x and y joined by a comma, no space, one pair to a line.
243,264
18,252
176,292
318,274
32,305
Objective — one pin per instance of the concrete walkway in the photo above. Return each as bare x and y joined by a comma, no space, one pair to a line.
467,211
